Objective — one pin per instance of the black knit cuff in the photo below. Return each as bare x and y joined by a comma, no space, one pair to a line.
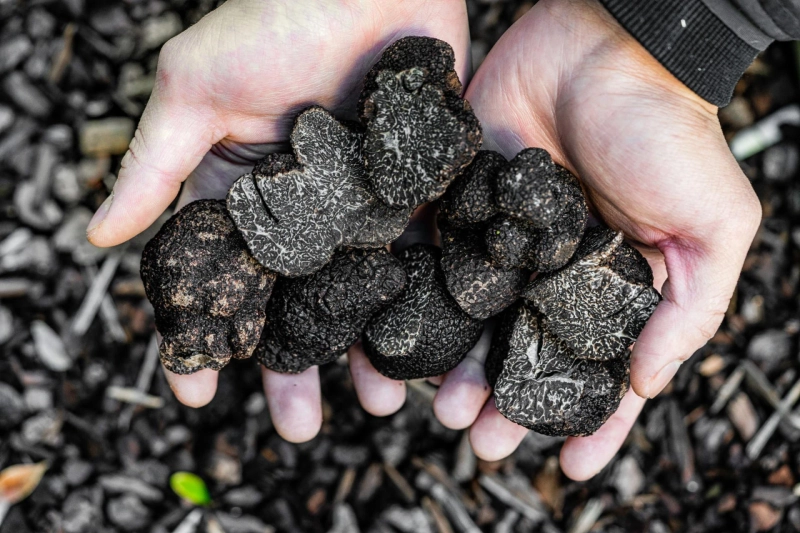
690,41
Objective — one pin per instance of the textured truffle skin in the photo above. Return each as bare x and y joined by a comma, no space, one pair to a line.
599,303
208,292
470,198
540,383
481,287
420,133
424,332
294,212
312,320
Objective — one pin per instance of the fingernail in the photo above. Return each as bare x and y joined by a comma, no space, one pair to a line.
100,215
663,377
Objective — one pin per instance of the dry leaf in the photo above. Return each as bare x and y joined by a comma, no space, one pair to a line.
18,481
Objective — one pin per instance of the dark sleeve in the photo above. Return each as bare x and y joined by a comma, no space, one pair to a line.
707,44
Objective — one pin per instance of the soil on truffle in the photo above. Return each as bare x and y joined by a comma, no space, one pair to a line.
208,292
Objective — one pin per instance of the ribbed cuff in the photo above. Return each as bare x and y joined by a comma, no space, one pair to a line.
690,41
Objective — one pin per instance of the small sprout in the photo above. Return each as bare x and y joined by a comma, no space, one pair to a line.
424,332
208,292
420,133
294,212
190,487
312,320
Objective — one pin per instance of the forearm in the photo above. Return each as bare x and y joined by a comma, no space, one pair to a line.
707,44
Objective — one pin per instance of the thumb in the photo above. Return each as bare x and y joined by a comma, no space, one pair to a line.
695,298
169,143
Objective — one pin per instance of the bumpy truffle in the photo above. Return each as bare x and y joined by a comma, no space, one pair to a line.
563,370
420,133
470,198
599,303
424,332
480,286
295,211
208,292
312,320
540,383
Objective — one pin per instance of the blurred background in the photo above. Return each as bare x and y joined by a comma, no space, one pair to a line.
80,387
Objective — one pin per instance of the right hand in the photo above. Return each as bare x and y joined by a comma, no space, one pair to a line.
226,89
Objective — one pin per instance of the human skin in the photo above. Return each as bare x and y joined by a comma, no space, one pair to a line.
650,155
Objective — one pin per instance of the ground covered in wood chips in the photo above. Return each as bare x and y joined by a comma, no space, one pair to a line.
80,387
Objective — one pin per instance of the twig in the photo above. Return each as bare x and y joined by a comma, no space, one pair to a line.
400,482
589,515
758,442
727,389
190,523
528,506
134,396
94,296
439,519
143,380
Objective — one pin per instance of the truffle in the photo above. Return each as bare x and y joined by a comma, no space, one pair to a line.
424,332
480,286
420,133
313,319
540,383
294,212
527,215
560,360
599,303
208,292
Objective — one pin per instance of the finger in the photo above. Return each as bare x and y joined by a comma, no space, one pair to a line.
194,390
295,403
583,457
379,395
169,143
464,390
493,436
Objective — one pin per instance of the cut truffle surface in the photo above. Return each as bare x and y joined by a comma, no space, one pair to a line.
470,198
209,294
424,332
420,133
294,212
599,303
312,320
541,384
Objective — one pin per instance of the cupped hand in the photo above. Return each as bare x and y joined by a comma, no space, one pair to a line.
227,89
654,164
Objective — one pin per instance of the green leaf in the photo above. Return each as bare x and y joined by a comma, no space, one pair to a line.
190,487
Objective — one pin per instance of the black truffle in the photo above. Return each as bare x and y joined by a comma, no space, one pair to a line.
540,383
470,198
563,369
208,292
294,212
420,133
545,213
480,286
599,303
312,320
424,332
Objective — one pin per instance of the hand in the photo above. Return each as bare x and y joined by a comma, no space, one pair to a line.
229,87
653,163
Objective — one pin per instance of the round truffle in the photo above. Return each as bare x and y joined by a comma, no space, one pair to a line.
424,332
540,383
313,319
208,292
469,200
294,212
420,134
600,301
481,287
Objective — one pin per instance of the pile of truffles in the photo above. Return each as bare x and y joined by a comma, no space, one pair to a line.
294,266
